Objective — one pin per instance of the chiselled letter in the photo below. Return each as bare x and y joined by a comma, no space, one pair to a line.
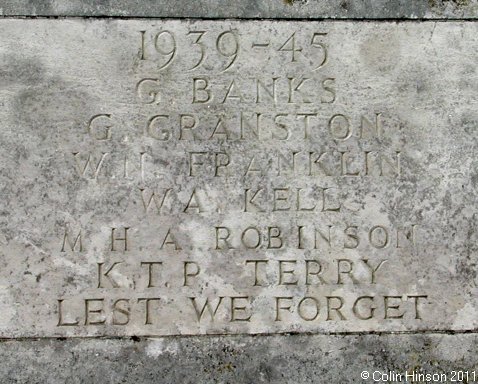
95,315
155,197
121,309
211,308
61,320
151,274
115,238
77,245
88,165
102,275
201,91
147,308
191,269
99,127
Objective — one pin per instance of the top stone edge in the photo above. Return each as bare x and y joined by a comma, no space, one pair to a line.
246,9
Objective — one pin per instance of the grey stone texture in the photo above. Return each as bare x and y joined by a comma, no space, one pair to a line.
314,9
56,75
239,359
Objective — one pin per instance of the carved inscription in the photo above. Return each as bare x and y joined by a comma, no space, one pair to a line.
249,110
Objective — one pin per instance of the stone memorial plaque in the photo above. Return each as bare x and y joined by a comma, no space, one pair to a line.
223,177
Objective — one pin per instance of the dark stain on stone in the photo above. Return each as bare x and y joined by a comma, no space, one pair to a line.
20,70
458,3
49,102
292,2
42,99
45,7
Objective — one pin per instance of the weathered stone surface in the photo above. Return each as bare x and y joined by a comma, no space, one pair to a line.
334,9
240,359
364,160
